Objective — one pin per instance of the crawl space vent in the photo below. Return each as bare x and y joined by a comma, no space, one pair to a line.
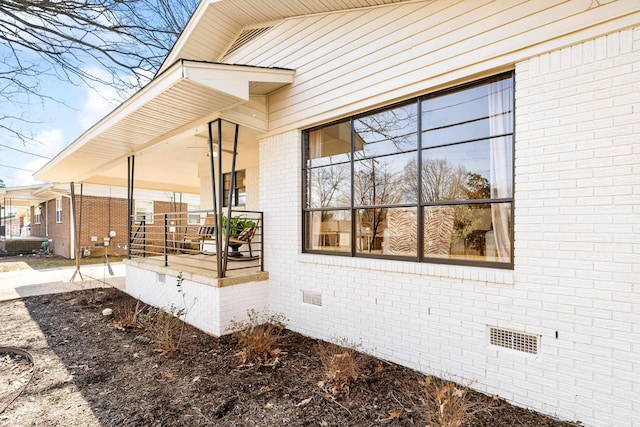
526,343
313,298
162,278
245,37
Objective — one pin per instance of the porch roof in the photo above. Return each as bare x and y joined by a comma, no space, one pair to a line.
185,95
28,195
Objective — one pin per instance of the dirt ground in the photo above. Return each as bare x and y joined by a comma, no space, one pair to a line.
89,372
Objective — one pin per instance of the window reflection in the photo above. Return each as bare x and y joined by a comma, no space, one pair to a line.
328,230
469,231
386,132
328,145
448,198
378,181
329,186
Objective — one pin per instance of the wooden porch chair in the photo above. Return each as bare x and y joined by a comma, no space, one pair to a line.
205,233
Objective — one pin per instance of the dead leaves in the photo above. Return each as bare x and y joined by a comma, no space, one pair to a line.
395,414
304,402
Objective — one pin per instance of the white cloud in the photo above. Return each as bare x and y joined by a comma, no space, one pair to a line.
49,142
46,143
100,101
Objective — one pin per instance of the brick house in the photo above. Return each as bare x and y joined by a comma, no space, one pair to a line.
104,215
452,184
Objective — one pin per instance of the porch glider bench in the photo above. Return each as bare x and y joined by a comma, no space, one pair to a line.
202,241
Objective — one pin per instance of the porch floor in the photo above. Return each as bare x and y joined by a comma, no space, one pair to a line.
203,269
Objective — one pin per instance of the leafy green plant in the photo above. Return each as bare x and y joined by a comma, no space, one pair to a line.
258,336
236,224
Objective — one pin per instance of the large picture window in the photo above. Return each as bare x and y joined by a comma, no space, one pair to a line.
428,180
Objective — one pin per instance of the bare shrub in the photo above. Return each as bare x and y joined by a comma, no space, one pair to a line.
259,336
163,329
343,365
450,405
126,314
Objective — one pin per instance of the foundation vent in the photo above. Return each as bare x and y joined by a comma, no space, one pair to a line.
162,278
519,341
313,298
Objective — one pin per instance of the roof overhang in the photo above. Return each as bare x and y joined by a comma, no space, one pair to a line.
215,23
187,94
29,195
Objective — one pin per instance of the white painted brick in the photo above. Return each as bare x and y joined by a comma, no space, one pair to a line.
577,123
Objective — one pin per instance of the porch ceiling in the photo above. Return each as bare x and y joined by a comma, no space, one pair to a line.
160,124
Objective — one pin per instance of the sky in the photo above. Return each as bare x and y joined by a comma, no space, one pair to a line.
57,126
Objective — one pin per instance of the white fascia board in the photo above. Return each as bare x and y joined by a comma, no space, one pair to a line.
233,80
193,22
139,99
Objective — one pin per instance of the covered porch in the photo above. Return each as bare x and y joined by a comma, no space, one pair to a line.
194,129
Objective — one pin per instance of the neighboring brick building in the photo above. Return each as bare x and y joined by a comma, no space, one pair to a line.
102,215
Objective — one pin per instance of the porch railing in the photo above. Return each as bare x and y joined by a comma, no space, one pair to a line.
184,240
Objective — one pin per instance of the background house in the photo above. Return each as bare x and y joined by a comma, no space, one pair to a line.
529,290
102,215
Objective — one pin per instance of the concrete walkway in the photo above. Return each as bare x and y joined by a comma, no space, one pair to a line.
28,282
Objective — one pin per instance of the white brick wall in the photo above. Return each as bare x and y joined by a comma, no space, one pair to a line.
210,308
577,253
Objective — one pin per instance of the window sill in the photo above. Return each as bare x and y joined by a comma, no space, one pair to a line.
471,273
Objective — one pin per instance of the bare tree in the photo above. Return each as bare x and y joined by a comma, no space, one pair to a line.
440,180
375,184
128,39
327,186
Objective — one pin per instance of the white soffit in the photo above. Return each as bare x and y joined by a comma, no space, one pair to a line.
178,98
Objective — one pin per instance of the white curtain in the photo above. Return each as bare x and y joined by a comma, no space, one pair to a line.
500,123
315,152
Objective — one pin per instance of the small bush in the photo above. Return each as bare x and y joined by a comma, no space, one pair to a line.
126,314
445,401
451,405
162,328
343,365
259,336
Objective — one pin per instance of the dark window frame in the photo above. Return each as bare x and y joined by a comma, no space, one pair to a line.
420,204
240,188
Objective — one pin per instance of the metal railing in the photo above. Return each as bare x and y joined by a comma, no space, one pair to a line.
189,240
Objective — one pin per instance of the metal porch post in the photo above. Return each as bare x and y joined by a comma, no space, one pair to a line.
218,218
130,170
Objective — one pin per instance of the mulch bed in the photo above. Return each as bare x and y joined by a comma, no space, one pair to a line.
90,372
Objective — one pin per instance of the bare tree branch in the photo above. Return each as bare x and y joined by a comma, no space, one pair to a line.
127,39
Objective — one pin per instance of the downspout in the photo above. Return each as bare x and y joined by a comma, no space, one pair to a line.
46,219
